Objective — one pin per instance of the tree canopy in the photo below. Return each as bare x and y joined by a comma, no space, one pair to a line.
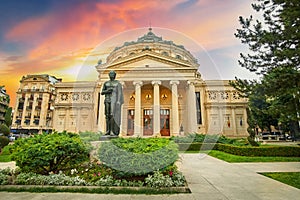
274,53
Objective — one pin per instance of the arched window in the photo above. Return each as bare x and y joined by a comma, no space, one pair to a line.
178,57
165,53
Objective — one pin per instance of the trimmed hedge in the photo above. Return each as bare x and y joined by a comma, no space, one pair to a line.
283,151
265,151
196,146
138,156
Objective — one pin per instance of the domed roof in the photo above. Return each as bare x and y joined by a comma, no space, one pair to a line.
150,37
150,44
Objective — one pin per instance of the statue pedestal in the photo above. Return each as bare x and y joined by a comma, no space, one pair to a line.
108,137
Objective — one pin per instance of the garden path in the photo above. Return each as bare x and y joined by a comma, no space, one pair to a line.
207,177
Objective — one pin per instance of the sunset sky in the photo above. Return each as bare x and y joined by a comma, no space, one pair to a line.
56,37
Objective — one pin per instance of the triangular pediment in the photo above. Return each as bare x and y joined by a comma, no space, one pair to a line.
149,61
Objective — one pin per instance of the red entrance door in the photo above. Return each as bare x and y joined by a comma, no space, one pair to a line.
165,122
148,122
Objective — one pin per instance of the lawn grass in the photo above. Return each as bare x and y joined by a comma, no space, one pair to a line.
290,178
234,158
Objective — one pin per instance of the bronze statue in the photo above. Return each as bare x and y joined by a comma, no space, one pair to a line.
114,99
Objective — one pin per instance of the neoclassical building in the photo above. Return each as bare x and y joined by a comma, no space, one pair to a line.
164,95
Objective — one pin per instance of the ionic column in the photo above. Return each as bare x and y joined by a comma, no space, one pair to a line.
123,124
233,120
156,107
137,109
192,115
245,119
101,119
222,111
175,116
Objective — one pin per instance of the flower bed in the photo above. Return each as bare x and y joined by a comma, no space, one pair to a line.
11,180
161,174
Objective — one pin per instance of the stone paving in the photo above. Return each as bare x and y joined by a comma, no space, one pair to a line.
207,177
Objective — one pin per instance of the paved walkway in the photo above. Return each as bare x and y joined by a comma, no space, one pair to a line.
208,179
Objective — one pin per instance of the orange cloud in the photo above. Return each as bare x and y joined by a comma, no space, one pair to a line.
62,38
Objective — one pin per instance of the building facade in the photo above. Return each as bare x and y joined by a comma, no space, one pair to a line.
34,107
4,103
164,95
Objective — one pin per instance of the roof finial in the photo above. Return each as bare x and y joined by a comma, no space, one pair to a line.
150,29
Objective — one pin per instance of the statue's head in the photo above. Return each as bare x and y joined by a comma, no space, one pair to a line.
112,75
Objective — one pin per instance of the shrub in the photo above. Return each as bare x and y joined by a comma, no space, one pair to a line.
3,179
7,150
4,141
252,142
158,180
108,180
53,179
88,136
206,138
196,146
138,156
47,153
90,171
178,178
284,151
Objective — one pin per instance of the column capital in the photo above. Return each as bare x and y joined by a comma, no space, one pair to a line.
174,82
156,82
122,83
140,83
191,82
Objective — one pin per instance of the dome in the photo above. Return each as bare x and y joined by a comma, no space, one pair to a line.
152,43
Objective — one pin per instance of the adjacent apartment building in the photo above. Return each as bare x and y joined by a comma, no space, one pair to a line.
4,103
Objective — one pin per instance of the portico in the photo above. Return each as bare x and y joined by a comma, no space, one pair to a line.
151,108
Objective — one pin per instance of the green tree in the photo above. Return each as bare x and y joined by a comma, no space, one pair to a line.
4,129
7,117
274,54
260,112
45,153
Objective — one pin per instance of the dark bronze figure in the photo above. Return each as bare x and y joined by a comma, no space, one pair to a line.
114,99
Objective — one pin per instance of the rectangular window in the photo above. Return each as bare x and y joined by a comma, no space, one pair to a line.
198,108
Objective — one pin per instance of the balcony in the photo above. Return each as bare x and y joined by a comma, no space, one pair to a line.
40,99
20,107
30,99
21,99
38,108
27,121
28,107
36,121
